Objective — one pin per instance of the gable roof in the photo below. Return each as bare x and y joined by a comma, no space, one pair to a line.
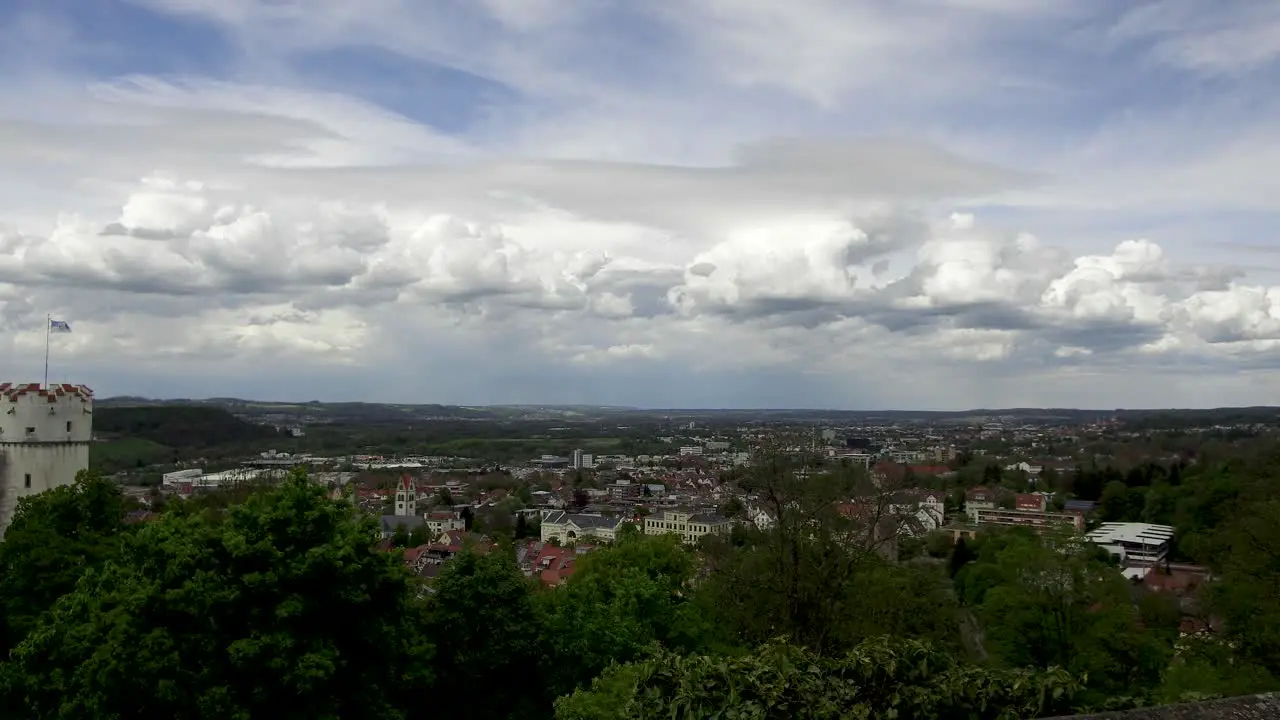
560,517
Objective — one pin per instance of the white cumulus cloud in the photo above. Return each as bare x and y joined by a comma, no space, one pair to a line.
853,204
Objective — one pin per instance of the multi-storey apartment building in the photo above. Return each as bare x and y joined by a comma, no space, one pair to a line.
1029,510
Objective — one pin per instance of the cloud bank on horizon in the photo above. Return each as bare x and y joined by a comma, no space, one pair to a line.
715,203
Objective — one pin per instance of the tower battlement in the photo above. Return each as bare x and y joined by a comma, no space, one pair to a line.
45,433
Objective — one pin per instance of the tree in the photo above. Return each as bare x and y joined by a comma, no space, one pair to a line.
878,678
54,538
444,497
620,601
1247,595
488,631
1056,603
400,537
732,508
1120,503
992,474
283,606
816,575
961,555
419,536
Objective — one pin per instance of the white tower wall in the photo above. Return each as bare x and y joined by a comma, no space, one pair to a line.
44,439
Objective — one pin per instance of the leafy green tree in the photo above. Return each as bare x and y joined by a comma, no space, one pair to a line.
878,678
938,544
419,536
816,575
400,537
1247,595
620,601
54,538
488,630
1208,667
1120,503
1058,604
284,608
961,555
732,508
992,474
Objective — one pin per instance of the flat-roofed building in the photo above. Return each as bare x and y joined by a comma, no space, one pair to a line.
1137,544
1029,510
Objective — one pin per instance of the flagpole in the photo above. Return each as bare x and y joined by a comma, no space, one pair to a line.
48,330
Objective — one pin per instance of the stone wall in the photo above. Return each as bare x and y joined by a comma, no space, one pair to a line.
1248,707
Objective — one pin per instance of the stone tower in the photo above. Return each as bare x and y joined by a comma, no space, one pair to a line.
406,497
44,439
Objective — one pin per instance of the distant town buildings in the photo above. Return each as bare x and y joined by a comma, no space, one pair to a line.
625,491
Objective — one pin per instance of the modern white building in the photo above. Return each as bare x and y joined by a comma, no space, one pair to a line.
45,433
187,482
178,478
1137,544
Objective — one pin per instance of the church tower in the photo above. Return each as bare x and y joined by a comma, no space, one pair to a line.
406,497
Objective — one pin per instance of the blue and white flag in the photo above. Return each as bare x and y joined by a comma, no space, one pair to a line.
59,326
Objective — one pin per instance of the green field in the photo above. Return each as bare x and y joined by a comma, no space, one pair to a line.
127,454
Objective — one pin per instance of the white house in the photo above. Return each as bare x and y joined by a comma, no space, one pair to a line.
927,510
443,521
760,518
567,528
1025,467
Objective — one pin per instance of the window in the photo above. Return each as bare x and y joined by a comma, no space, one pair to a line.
31,430
26,479
68,426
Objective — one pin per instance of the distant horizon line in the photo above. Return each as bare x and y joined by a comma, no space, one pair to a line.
638,408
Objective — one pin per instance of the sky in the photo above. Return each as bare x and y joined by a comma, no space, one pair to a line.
845,204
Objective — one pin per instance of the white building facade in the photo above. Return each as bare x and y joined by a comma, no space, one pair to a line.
567,528
44,439
1136,544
